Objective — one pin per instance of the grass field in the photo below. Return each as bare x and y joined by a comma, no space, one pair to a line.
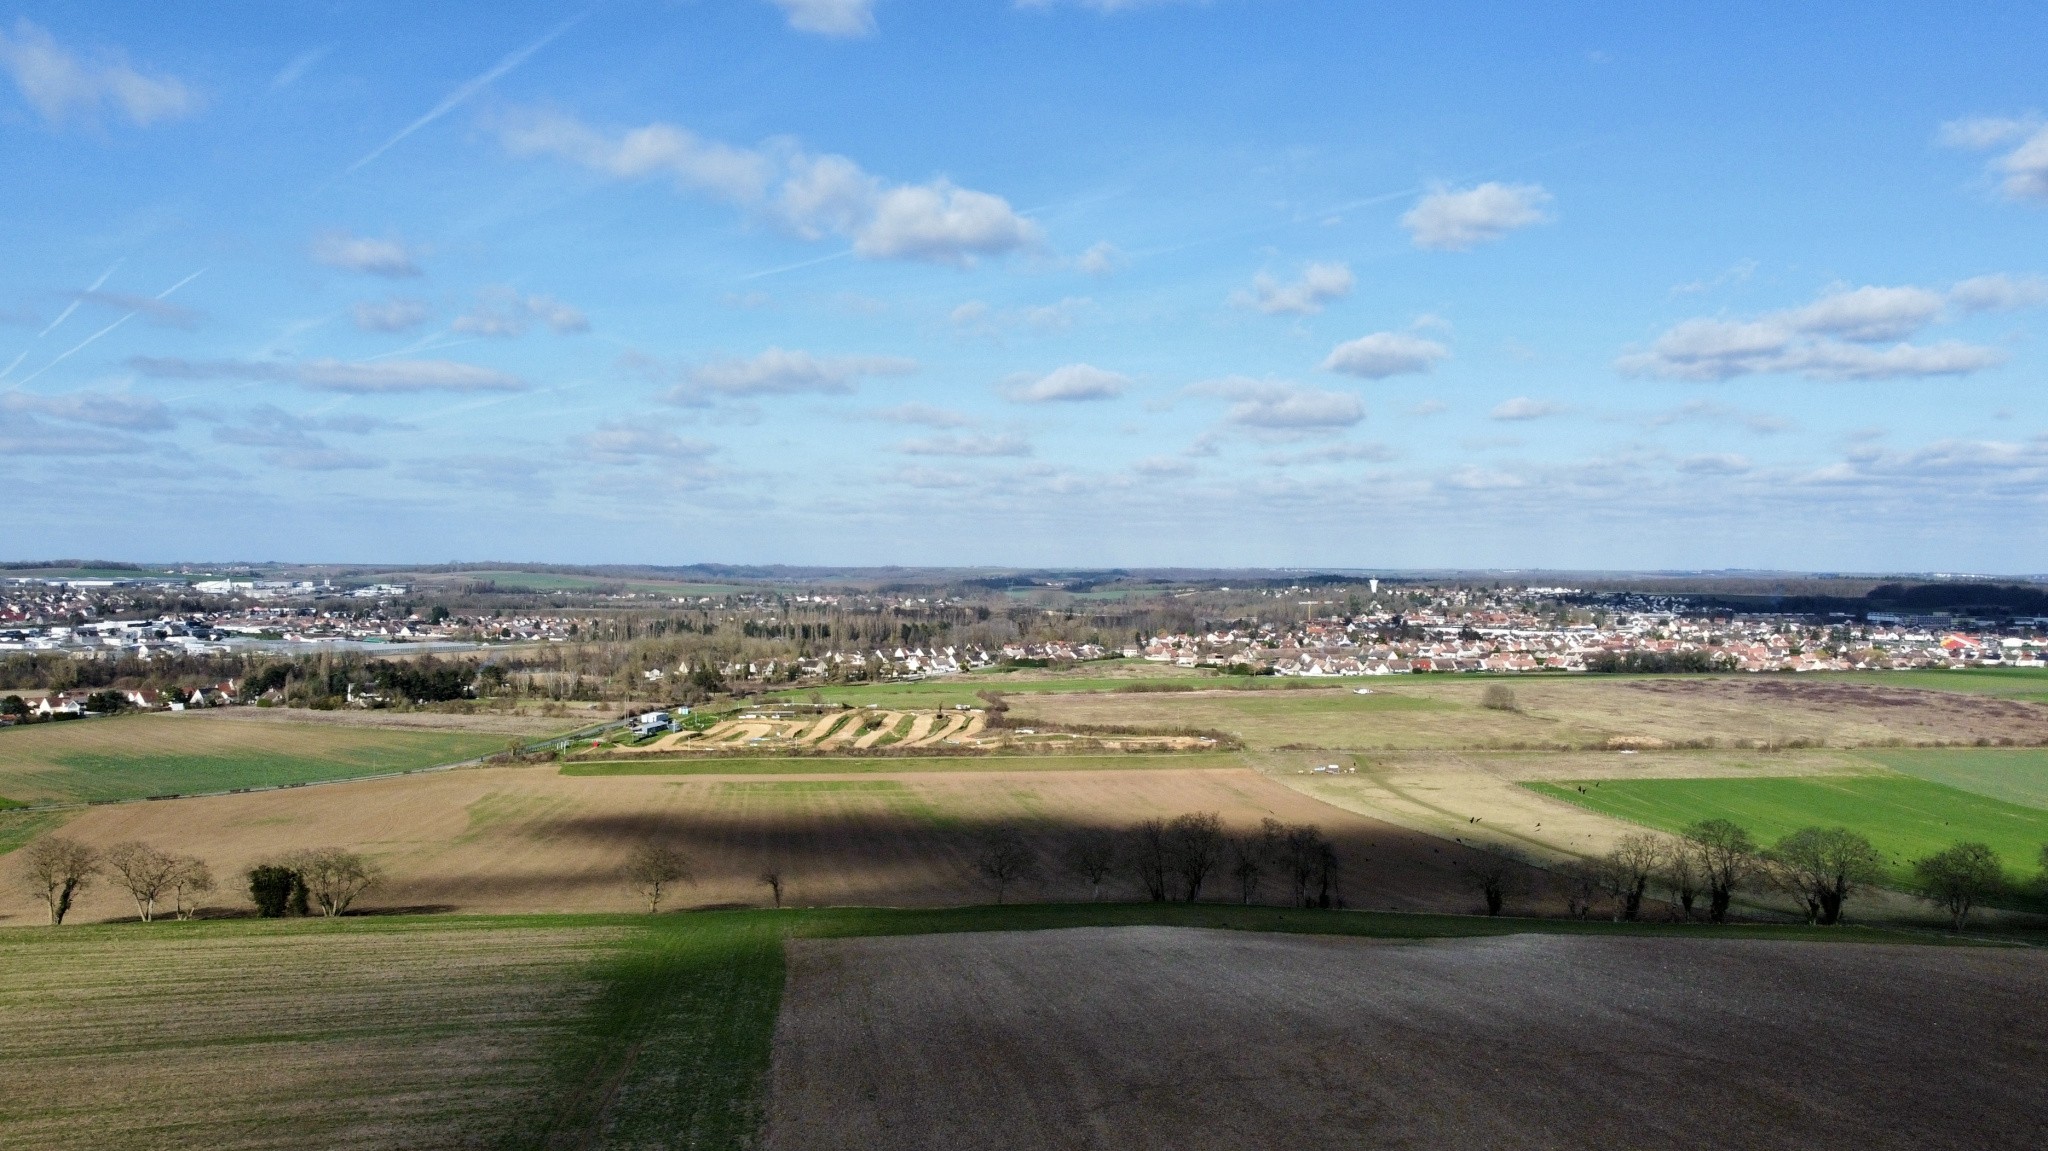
1905,817
2012,682
127,757
2015,775
526,1032
903,764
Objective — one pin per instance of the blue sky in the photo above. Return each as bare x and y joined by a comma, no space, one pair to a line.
1066,282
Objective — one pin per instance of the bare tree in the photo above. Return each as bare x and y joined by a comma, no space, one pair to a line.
1498,875
653,867
1626,872
1150,858
1581,884
1309,861
192,878
1728,858
1197,846
773,878
57,869
333,877
1683,872
1003,858
1824,866
1301,848
1249,853
1092,855
1959,878
144,872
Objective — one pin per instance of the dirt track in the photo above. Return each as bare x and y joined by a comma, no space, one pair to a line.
1170,1038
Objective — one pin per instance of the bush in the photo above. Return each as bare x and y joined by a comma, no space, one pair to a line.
277,891
1499,697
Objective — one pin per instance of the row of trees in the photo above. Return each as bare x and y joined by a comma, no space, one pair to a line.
59,869
1714,859
1168,859
1175,859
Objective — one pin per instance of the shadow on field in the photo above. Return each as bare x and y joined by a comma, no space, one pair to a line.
912,857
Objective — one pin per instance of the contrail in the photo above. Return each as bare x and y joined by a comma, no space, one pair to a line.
80,346
75,301
456,98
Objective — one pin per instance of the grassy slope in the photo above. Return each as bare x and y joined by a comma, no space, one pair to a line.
673,1045
1905,817
2016,775
904,764
126,757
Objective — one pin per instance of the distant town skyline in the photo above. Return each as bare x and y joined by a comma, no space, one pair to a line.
1047,283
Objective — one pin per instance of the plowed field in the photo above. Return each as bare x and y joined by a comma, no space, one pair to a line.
1189,1040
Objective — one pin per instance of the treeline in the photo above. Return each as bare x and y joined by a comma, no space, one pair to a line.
1662,662
1700,872
58,869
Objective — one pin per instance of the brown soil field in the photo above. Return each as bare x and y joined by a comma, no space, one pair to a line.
529,839
1182,1039
1427,713
430,1037
489,722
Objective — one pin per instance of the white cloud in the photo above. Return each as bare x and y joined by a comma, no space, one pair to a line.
372,377
1477,479
504,312
810,196
1280,405
1831,338
24,435
291,442
1999,293
1072,383
388,258
1106,7
1715,464
1868,314
976,316
1101,259
1162,467
1446,220
392,315
156,309
924,415
61,86
1332,454
1318,285
1004,445
1383,354
1523,408
103,409
830,17
630,442
777,372
2024,168
1978,133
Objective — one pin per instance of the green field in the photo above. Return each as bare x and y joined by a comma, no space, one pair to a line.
2028,683
1905,817
2015,775
905,764
514,1032
129,757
